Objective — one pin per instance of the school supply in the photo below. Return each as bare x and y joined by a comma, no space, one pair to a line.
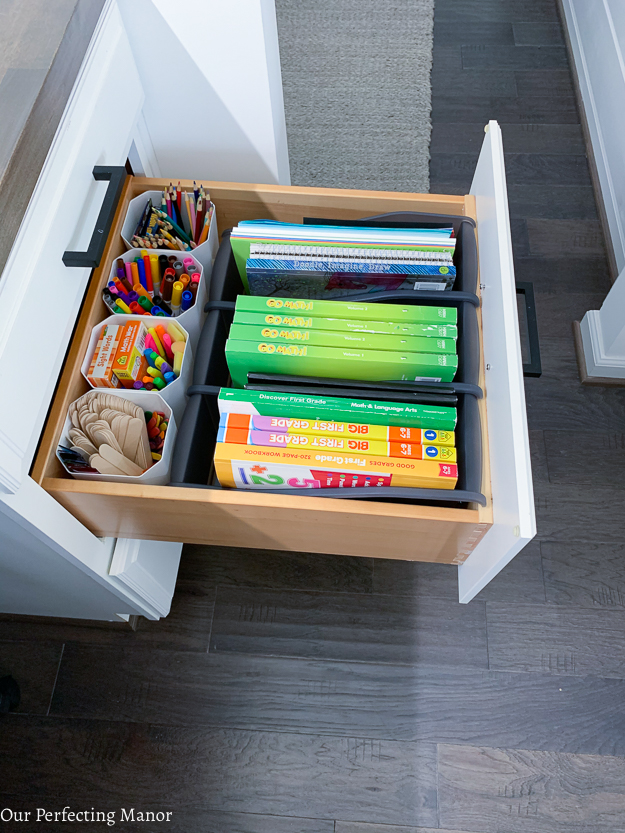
286,319
110,435
150,274
327,338
315,272
314,442
335,408
398,313
181,221
129,363
342,363
328,428
135,356
256,467
256,232
100,373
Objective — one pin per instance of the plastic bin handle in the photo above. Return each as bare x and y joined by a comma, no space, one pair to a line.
116,176
534,366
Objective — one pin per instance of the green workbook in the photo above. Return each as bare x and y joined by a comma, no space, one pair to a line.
346,325
401,313
326,338
336,409
245,357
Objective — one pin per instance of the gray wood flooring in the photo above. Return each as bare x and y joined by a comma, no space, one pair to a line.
295,693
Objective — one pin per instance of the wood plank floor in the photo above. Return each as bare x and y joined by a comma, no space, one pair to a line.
293,693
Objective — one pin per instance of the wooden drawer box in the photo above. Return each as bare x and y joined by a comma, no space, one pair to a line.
248,519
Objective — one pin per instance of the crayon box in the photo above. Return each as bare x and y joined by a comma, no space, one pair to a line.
100,373
130,364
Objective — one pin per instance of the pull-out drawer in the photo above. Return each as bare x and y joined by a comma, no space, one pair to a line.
262,520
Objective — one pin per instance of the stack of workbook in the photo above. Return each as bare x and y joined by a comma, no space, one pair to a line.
276,440
289,260
341,340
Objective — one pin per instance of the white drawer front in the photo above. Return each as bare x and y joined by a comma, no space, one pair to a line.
511,475
39,296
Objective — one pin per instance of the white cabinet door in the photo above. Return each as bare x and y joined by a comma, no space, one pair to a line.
511,475
39,302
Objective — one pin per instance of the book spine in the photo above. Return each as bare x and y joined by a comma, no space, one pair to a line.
349,309
333,408
329,428
327,338
347,325
361,445
324,267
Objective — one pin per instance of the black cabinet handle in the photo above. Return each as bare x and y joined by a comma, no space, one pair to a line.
533,367
116,176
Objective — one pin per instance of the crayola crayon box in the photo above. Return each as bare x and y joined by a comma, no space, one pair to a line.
407,313
256,467
245,357
353,444
335,408
344,325
327,338
329,428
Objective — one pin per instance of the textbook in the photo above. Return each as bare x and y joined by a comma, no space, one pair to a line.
329,428
245,357
336,408
327,338
253,467
250,232
301,283
362,445
345,325
400,313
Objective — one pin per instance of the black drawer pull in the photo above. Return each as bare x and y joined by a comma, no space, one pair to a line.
533,367
116,176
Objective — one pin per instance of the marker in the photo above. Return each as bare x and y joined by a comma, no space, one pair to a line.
118,310
136,309
157,342
193,288
189,265
138,385
158,300
166,342
176,332
143,278
140,290
156,274
129,278
155,373
134,270
159,383
187,300
170,377
146,304
163,263
133,296
158,312
176,297
148,271
124,307
178,269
